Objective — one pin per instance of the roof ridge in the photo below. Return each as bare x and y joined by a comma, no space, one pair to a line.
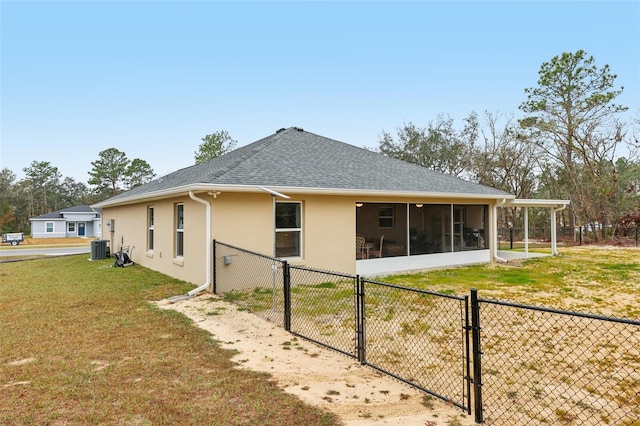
295,157
206,164
252,150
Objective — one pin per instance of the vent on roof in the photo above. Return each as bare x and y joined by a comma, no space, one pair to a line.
281,130
300,129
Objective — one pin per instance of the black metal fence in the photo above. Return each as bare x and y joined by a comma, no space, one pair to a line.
251,280
627,236
520,364
418,337
545,366
322,308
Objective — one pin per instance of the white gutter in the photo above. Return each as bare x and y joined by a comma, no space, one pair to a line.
180,190
272,192
208,243
554,245
559,209
207,206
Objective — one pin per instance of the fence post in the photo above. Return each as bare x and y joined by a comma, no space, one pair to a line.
360,320
214,266
467,327
636,235
580,235
286,276
511,238
477,356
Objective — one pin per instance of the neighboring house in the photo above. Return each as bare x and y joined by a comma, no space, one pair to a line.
77,221
307,198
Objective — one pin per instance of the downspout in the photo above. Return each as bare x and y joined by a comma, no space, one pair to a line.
554,251
495,231
207,232
207,282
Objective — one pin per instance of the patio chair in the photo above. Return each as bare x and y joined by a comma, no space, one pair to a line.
362,251
377,253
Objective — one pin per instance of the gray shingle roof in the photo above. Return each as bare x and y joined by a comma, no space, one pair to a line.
293,158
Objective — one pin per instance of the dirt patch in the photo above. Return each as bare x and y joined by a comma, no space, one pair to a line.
318,376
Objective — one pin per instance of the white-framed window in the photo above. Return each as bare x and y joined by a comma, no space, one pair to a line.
150,220
288,229
179,230
71,227
48,226
386,217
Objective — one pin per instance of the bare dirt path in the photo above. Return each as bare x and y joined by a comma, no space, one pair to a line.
318,376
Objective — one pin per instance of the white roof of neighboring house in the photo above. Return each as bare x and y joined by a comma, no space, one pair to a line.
62,214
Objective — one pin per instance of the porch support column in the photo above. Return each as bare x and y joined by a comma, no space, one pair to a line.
494,233
407,252
554,251
452,240
526,232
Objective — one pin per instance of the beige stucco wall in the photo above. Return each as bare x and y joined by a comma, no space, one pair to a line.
245,220
242,220
328,227
131,226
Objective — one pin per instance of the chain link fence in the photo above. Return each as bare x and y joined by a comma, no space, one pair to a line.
543,366
418,337
415,336
251,280
520,364
323,308
621,235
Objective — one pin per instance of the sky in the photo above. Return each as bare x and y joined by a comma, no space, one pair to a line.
152,78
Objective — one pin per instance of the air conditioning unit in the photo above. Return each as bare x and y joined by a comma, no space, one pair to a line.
100,249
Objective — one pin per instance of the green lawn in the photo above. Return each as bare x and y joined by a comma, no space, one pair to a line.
81,344
594,280
587,279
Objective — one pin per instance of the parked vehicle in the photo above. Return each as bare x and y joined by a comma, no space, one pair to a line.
14,238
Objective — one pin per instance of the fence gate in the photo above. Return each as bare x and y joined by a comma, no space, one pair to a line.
322,308
416,336
420,338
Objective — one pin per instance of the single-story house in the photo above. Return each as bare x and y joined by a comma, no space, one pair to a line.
315,201
76,221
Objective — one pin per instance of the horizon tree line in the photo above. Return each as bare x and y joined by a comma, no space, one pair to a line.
565,146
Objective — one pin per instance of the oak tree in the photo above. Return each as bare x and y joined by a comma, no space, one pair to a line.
214,145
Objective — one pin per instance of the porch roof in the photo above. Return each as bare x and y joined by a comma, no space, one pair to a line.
520,202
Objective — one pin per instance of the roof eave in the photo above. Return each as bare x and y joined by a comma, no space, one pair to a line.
547,203
388,193
221,188
154,195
